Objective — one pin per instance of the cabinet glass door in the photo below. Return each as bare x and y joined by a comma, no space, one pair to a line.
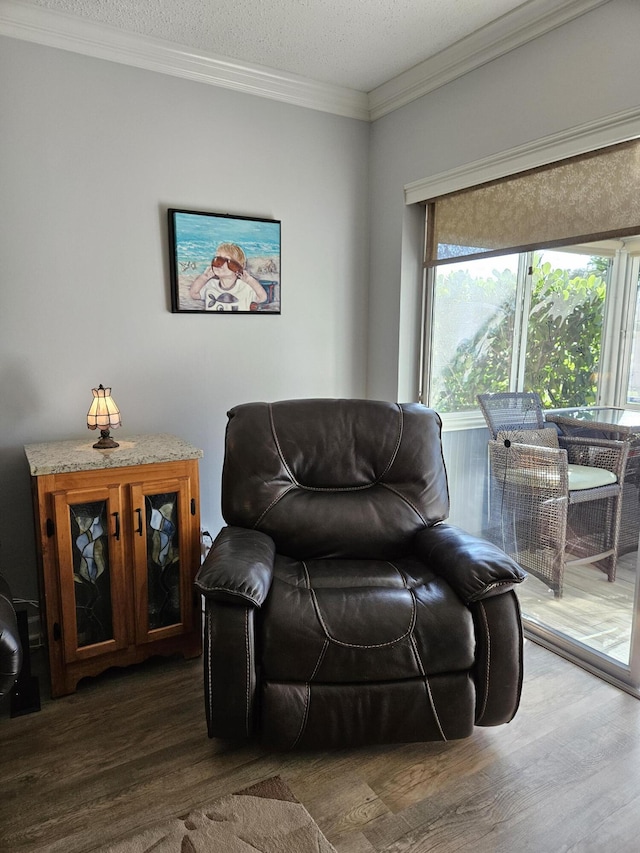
89,556
91,572
162,557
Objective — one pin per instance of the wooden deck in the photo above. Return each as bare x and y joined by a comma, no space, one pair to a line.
591,610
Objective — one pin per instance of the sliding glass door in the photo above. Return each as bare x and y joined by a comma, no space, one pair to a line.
564,323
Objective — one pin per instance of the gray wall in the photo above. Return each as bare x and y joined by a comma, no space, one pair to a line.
582,71
91,155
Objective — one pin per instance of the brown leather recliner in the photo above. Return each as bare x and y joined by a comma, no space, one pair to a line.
10,644
340,610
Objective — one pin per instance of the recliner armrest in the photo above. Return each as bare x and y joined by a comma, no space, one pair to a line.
10,645
607,453
473,567
238,568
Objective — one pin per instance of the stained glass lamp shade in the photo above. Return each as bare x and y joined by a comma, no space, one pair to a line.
103,415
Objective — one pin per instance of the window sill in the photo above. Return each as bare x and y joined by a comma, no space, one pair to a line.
454,421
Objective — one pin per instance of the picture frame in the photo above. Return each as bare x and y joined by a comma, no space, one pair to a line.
223,264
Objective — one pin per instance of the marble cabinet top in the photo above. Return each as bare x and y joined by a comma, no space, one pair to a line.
61,457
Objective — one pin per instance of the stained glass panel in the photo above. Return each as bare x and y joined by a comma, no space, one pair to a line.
163,559
91,573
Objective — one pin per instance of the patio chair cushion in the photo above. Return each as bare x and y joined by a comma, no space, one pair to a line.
588,477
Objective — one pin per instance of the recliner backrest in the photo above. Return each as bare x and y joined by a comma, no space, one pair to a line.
335,478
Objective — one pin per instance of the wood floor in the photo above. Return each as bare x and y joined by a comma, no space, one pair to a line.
130,748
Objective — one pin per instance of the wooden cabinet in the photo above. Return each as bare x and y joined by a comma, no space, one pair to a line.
119,545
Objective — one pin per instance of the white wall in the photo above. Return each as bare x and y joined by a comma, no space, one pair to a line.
582,71
92,154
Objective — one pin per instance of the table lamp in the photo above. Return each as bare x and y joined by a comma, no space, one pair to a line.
103,415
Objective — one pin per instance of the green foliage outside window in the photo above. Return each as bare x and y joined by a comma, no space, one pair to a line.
563,339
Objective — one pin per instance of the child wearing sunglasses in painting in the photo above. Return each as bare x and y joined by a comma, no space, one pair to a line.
227,285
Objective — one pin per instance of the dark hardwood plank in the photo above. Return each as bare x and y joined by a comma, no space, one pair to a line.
130,748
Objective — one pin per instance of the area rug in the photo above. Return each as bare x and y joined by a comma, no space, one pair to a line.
265,817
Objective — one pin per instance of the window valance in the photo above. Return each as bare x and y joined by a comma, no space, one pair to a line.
589,197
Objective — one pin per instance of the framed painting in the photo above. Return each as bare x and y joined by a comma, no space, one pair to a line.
223,264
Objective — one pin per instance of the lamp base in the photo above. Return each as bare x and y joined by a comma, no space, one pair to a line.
105,442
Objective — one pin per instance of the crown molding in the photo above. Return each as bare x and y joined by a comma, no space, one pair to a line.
508,32
80,35
609,130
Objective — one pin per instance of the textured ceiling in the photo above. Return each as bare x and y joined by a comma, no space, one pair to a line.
359,44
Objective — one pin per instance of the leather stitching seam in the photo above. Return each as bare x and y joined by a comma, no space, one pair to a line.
412,639
433,708
279,448
276,500
323,652
485,625
305,716
209,670
248,674
407,501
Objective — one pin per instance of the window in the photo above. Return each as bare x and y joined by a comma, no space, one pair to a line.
515,299
473,313
632,368
531,322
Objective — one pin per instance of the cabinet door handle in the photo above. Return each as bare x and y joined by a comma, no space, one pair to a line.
139,527
116,515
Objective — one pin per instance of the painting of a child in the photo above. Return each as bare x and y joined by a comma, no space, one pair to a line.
213,273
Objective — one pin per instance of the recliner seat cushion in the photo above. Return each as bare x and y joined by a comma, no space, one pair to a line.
322,622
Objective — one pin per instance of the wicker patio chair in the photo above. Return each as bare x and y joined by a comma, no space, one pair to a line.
554,500
511,410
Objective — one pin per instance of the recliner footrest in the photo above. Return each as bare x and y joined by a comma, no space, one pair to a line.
341,715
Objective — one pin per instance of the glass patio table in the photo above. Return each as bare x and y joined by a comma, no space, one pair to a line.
609,421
